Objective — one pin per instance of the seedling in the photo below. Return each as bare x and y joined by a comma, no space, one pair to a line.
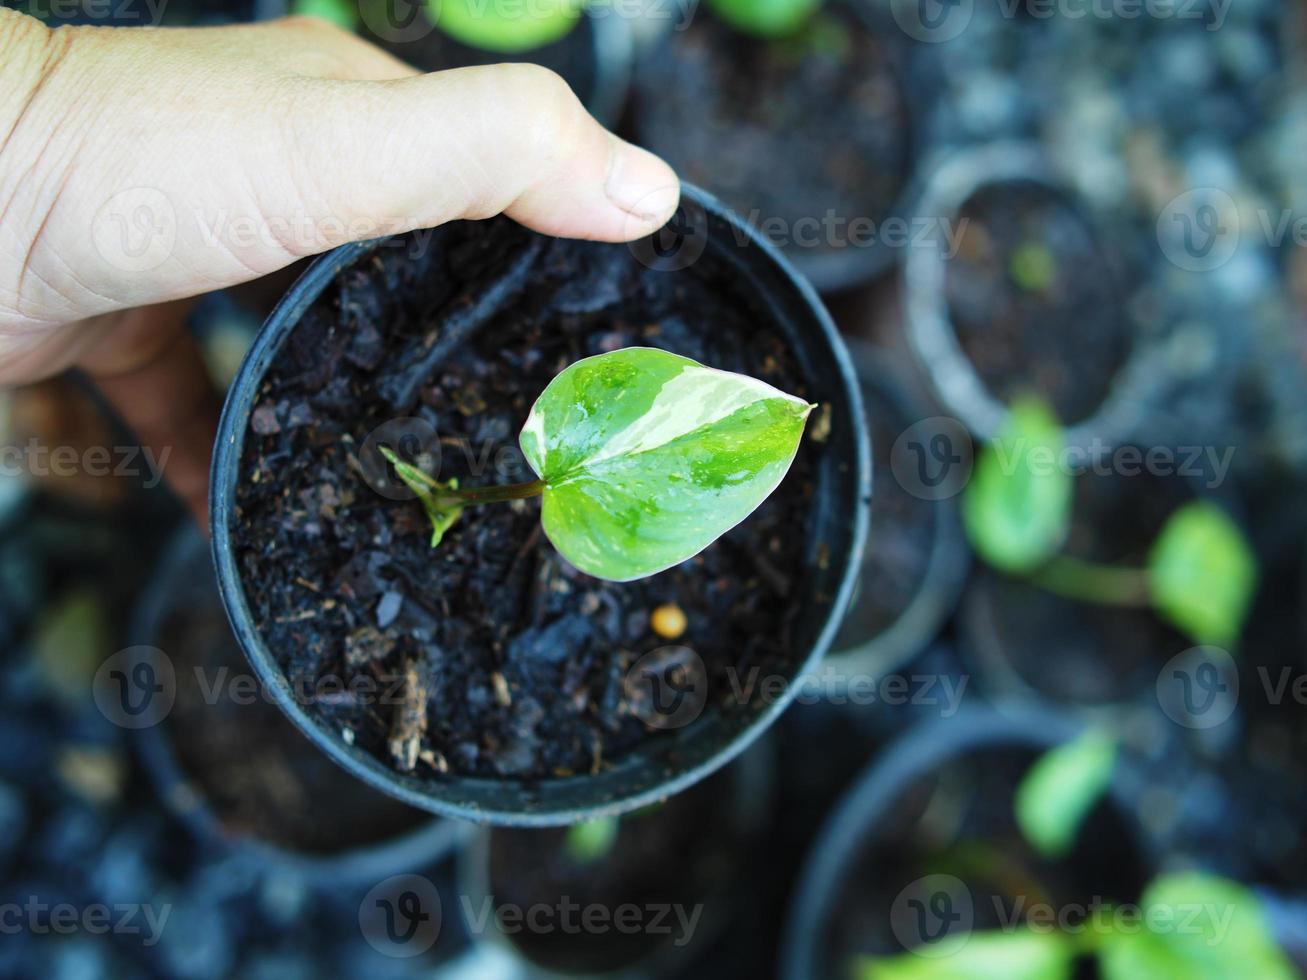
1060,790
1200,572
1032,267
644,458
1225,934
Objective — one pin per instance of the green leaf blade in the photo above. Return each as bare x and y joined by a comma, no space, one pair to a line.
1202,573
1017,508
1203,927
1060,789
650,457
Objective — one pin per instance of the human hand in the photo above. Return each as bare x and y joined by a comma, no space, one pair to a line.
140,167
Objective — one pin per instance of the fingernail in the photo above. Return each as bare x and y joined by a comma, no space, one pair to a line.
642,185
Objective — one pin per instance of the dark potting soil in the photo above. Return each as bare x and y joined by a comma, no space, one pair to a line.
571,56
1033,300
903,528
492,656
1081,652
682,854
805,128
259,775
958,820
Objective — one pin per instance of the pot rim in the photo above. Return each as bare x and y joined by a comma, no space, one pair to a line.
371,770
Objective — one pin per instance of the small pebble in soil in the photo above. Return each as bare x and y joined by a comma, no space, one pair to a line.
668,621
388,608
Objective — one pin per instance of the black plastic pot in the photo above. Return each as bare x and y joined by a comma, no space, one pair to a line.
954,182
184,583
864,817
833,540
863,649
830,270
746,792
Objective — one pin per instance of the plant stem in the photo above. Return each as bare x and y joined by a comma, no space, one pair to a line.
1113,585
488,495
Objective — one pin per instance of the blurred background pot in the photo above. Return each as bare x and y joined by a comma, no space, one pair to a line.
235,771
692,854
1030,302
1025,642
708,250
812,151
936,809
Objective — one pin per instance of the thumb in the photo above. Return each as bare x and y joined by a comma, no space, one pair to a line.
183,161
471,143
